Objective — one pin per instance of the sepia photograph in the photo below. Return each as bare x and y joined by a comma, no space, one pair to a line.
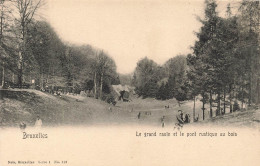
129,82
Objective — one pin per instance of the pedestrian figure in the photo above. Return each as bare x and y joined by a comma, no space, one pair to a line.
180,120
139,115
148,113
162,121
167,107
180,117
38,122
22,126
196,119
222,111
187,118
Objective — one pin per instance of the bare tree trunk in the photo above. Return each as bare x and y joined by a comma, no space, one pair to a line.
3,75
210,104
231,100
224,111
95,85
101,85
258,91
250,58
1,35
13,77
21,56
194,108
42,80
250,82
20,70
258,73
218,107
230,105
242,96
48,74
203,106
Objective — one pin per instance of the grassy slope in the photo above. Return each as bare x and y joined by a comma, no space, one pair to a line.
24,105
250,118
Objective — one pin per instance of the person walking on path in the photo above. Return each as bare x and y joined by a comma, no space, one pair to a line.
38,122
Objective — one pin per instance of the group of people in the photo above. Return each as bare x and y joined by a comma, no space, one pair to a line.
182,120
180,117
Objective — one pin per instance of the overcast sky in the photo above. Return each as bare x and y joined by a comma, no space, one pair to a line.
129,30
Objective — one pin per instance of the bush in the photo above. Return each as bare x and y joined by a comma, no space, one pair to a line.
236,106
109,98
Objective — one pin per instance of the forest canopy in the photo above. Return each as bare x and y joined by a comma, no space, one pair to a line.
223,66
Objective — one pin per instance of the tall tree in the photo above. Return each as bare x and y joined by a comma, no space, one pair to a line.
250,38
104,72
146,76
26,10
48,52
203,63
5,28
176,68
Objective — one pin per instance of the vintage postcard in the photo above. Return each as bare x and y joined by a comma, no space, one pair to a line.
129,83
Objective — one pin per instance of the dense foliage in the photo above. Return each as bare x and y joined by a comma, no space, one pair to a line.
223,68
32,54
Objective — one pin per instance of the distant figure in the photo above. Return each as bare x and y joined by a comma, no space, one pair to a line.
187,118
38,122
148,113
110,109
222,111
139,115
22,125
167,107
196,119
162,121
